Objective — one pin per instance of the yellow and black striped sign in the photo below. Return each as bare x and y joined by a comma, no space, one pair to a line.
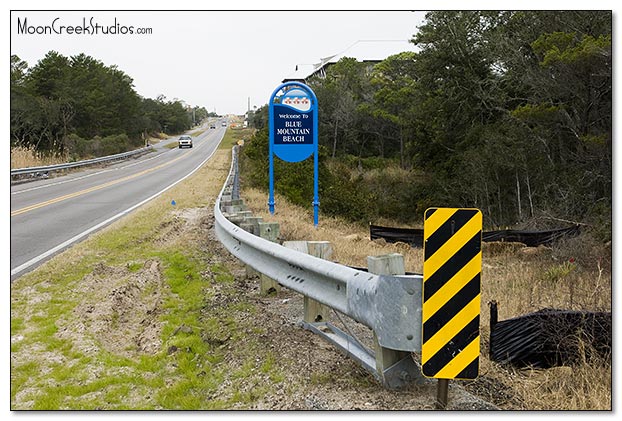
451,293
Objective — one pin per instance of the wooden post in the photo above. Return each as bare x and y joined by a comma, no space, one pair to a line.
313,310
235,208
389,264
251,224
254,221
234,218
442,388
246,213
270,232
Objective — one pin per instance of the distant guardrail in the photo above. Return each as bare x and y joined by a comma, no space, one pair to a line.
15,173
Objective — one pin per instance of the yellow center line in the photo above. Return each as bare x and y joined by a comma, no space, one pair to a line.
90,189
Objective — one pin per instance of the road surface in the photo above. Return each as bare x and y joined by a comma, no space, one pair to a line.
47,216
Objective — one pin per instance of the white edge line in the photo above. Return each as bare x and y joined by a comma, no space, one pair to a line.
75,238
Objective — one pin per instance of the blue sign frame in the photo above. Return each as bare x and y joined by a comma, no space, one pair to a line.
293,122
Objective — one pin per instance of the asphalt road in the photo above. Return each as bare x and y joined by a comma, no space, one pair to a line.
48,216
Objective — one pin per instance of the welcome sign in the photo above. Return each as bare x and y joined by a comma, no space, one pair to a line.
293,125
293,131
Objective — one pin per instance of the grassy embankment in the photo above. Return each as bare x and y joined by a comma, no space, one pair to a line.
76,345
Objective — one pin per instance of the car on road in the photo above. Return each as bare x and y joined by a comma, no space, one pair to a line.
212,126
224,124
185,141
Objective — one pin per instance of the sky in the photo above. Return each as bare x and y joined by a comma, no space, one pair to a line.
214,59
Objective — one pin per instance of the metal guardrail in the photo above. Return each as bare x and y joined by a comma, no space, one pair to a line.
66,166
389,305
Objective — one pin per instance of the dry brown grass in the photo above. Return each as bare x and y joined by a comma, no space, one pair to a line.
351,244
27,157
521,279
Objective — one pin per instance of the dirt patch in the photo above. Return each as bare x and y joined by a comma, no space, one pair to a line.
120,311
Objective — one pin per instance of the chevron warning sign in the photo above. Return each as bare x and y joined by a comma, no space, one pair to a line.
451,293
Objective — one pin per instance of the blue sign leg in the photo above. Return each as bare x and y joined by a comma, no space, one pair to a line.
271,166
271,192
316,157
316,196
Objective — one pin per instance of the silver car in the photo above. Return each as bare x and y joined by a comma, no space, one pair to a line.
185,141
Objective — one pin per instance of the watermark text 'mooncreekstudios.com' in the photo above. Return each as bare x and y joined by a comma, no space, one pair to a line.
88,26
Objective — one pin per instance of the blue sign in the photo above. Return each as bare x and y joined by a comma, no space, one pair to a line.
293,131
293,119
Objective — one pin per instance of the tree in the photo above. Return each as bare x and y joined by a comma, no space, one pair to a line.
519,101
567,111
63,103
394,82
37,120
340,93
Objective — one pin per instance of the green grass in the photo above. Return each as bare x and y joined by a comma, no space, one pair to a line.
193,377
188,371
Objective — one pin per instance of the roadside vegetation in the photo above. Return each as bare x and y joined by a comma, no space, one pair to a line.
27,157
509,112
574,274
77,107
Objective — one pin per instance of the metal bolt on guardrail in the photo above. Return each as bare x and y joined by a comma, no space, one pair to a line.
386,301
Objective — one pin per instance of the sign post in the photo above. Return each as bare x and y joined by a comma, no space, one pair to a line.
293,133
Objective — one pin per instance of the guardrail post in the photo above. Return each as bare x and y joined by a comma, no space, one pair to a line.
270,232
315,311
235,218
251,224
254,221
236,208
389,264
